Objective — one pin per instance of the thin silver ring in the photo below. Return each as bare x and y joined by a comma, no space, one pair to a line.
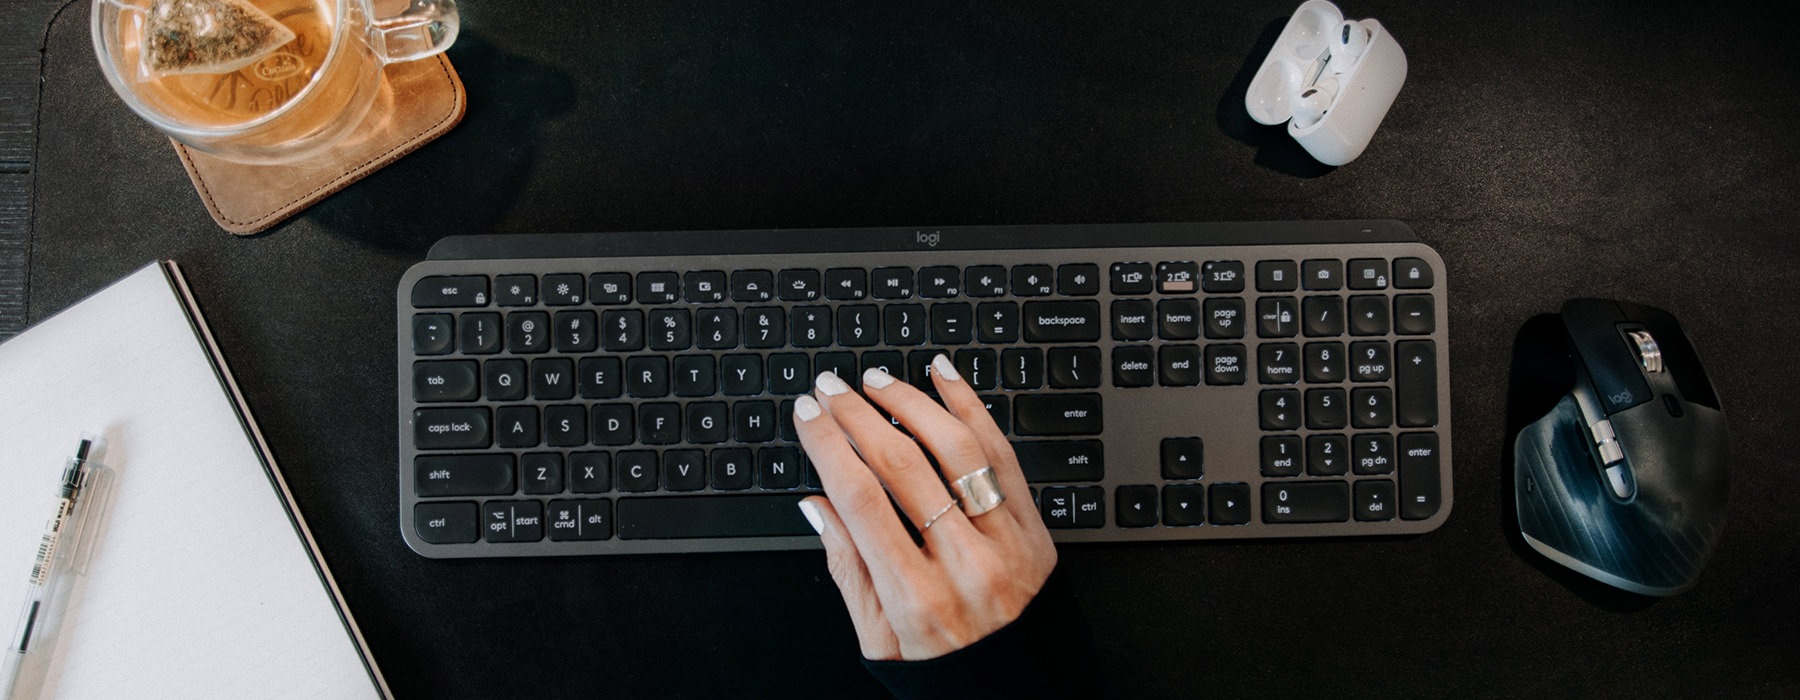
978,491
939,514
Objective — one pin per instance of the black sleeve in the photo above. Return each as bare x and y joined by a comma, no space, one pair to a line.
1046,653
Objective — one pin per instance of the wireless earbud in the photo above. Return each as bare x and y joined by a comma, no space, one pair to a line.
1310,106
1347,45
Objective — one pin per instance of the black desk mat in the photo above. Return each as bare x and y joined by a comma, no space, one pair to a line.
1545,151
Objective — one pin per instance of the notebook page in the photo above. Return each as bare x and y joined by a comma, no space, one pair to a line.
199,585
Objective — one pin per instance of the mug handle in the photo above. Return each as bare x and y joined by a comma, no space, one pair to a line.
425,28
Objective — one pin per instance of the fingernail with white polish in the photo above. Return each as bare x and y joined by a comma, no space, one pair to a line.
829,383
876,378
806,408
811,511
945,368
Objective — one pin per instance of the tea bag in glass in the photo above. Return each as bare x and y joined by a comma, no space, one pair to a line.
208,36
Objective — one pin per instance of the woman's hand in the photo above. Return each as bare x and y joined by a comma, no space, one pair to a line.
973,574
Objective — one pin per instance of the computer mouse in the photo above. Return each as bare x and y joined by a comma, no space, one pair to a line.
1626,480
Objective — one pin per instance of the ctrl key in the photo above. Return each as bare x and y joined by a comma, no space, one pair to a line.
445,523
581,519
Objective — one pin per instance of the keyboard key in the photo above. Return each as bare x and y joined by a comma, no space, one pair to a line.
584,519
541,472
463,475
637,470
657,287
1374,500
1367,273
1278,363
1374,453
447,292
1280,409
1276,317
716,329
1324,362
753,421
708,422
940,282
778,468
565,426
1225,364
447,523
515,290
564,290
686,517
1075,368
1372,407
609,288
1062,321
790,373
527,332
623,329
1277,276
1419,478
1131,278
1078,279
985,281
1176,277
846,284
892,282
810,326
997,322
1136,506
1079,506
1224,318
1414,314
752,286
1322,275
1281,455
1033,280
444,381
1415,382
684,470
905,324
614,424
893,363
1327,455
659,423
1412,273
647,376
1178,365
734,469
512,521
798,285
918,369
1322,316
842,364
433,334
1368,315
952,324
1061,460
1370,362
590,472
1133,366
1183,458
1306,502
450,428
695,375
479,334
1228,504
1057,414
741,375
703,286
516,426
999,409
575,331
979,367
504,380
671,329
1131,319
1326,409
1222,277
1184,505
764,327
1178,319
858,325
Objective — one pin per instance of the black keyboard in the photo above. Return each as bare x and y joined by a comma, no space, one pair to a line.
633,392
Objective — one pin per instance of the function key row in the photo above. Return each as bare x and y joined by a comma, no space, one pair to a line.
1227,276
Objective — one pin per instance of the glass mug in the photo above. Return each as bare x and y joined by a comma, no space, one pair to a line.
292,101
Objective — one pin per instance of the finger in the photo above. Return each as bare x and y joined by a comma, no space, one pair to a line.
857,494
962,402
895,458
958,451
873,633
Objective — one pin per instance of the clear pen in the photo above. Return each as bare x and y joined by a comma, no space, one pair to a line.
62,553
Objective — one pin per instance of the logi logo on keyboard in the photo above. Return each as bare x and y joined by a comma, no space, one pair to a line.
927,239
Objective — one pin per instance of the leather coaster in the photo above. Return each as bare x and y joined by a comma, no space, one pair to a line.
246,199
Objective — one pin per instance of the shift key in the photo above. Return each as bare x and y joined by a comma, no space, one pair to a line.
1057,414
463,475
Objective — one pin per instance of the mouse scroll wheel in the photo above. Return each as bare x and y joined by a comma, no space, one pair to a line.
1648,354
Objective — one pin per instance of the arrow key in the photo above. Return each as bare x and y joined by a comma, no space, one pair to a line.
1230,504
1183,505
1137,506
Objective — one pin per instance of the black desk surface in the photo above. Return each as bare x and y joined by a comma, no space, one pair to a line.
1546,149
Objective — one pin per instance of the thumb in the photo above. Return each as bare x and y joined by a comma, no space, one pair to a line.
873,633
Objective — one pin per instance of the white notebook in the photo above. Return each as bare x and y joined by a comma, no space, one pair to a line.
204,581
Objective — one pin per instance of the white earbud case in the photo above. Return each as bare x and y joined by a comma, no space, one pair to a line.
1360,92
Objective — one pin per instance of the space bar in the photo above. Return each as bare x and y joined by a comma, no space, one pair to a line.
686,517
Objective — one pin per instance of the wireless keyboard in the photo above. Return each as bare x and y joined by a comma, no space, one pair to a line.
633,393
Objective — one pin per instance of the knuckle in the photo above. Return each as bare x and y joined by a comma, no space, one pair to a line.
865,498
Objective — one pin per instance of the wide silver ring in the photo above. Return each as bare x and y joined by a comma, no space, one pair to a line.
979,491
934,516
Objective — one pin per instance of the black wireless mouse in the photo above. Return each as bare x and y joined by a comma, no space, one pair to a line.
1627,478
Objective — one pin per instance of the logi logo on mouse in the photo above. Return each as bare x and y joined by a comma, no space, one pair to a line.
928,239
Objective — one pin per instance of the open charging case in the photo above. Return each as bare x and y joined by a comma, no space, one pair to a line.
1359,92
